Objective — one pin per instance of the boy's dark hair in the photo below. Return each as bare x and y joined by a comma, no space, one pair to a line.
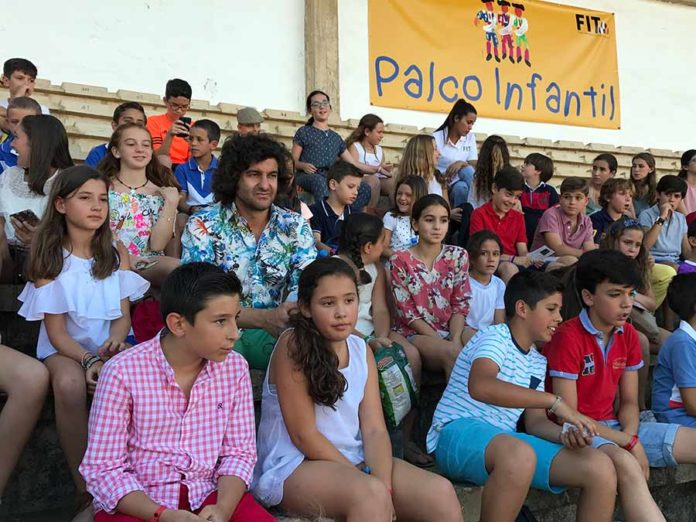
671,184
24,102
509,178
530,287
610,159
211,128
187,289
575,184
605,266
341,169
476,241
691,231
611,187
19,64
118,112
237,155
681,296
542,163
176,88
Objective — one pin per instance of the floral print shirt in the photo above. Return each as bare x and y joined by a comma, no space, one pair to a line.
270,269
433,296
131,217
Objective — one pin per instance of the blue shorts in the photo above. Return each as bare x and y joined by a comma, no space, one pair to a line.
461,452
656,437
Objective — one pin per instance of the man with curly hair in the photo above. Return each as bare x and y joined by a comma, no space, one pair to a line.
244,232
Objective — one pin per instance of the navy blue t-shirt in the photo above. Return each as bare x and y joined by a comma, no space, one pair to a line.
325,222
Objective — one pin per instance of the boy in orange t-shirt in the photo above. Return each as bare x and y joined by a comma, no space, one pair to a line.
168,132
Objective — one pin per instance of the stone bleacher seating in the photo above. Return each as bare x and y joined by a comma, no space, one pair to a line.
86,112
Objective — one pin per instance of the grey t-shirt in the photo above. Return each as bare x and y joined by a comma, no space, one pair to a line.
669,242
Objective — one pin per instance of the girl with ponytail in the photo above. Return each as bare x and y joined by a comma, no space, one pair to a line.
323,446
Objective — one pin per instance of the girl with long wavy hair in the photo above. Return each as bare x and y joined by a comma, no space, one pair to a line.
143,201
494,156
80,290
323,445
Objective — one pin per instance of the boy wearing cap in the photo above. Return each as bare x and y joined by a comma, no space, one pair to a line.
248,121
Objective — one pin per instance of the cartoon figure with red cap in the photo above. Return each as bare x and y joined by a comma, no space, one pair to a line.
490,20
505,21
521,26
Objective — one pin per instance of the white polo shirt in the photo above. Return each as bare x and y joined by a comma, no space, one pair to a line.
463,150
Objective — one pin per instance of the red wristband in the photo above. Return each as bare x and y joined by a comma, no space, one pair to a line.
632,443
158,514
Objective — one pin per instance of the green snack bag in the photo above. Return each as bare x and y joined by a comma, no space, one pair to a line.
397,386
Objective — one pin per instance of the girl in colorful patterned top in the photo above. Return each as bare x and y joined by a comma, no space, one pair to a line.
143,201
430,282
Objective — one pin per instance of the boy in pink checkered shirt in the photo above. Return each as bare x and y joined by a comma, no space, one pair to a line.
171,431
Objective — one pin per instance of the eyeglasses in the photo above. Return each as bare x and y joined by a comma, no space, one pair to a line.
177,108
320,105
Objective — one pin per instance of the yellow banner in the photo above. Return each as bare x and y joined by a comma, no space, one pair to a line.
531,61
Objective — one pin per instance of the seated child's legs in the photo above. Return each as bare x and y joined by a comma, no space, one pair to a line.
459,191
593,472
375,189
25,380
364,195
684,447
70,397
421,495
660,277
412,354
657,438
436,353
506,270
333,490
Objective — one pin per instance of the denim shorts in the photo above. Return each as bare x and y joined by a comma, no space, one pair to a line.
656,437
461,452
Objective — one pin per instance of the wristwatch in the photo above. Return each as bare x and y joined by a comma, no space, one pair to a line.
660,221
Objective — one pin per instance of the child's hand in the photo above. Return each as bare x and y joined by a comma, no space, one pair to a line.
170,194
309,168
111,347
91,376
454,168
178,128
580,421
214,513
572,438
24,232
456,214
277,319
665,210
523,261
387,167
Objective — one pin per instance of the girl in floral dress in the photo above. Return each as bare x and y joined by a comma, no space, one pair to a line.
143,201
430,282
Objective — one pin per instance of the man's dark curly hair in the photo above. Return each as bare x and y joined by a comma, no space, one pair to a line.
237,155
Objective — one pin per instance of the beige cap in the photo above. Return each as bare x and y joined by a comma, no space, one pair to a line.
249,116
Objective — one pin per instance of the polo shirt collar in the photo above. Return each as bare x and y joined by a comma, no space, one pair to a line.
488,208
688,329
540,185
604,344
193,164
569,221
329,211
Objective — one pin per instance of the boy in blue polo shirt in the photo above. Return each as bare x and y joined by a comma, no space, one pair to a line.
665,227
674,381
128,112
195,176
328,215
497,380
593,360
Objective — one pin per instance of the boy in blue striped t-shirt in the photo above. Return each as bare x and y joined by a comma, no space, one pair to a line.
497,380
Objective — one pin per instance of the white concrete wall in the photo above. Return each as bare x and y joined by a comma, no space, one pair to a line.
655,43
249,52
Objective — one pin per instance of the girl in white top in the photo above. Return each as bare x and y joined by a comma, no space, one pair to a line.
143,200
457,146
487,305
323,447
81,291
363,145
42,151
398,232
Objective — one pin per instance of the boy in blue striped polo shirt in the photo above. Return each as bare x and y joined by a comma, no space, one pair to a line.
498,380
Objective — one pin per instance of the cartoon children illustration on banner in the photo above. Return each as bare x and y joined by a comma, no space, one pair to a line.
490,20
505,24
521,27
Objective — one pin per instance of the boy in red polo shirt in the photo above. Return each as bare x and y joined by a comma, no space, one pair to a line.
597,354
500,216
169,133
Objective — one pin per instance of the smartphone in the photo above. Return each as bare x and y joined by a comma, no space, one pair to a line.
186,121
144,265
26,216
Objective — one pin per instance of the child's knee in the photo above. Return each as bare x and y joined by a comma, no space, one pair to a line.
69,387
371,496
626,465
512,454
600,470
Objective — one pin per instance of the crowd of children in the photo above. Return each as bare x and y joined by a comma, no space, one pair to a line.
540,309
